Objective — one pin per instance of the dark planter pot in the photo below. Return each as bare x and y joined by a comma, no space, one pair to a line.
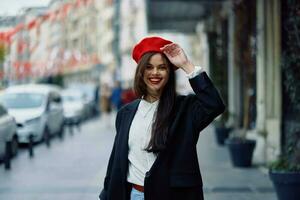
222,134
287,184
241,151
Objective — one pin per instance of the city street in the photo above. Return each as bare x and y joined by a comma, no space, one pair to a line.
69,169
71,62
74,168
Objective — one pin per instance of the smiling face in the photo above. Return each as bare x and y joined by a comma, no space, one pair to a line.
156,75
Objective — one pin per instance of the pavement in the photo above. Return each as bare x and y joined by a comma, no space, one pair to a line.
222,181
74,169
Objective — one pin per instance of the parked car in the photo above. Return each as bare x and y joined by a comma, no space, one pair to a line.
37,109
74,107
8,133
91,96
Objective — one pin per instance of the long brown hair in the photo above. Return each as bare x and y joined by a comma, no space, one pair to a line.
164,113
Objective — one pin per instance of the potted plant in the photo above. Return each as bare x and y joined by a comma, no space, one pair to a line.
218,68
222,129
285,175
240,148
285,172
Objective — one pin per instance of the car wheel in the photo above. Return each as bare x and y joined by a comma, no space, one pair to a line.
14,146
7,155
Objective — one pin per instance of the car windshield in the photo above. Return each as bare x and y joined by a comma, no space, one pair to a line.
22,100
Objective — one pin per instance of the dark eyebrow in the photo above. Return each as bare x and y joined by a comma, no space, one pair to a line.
163,64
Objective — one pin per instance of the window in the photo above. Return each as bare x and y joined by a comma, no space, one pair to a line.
23,100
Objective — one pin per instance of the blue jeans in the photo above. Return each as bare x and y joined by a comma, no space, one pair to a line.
136,195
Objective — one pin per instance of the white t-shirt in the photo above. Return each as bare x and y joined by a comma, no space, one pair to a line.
140,161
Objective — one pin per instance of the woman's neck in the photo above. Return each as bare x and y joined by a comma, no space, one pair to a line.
151,98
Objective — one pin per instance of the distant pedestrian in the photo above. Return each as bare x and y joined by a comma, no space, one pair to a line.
115,97
96,99
154,154
105,104
128,95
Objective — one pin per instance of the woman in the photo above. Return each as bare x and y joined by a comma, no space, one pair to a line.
154,153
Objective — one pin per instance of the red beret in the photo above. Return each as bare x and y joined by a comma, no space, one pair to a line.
148,44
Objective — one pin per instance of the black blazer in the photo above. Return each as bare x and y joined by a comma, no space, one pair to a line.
175,173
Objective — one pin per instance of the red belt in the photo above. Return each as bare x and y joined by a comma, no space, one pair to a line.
138,187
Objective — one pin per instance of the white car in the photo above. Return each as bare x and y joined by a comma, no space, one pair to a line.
37,109
74,106
89,91
8,130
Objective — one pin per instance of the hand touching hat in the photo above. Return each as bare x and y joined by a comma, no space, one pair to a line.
177,57
173,52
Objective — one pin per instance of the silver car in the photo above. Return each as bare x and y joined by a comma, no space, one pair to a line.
8,130
74,106
37,109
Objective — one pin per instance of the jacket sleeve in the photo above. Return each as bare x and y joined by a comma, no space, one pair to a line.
103,194
208,104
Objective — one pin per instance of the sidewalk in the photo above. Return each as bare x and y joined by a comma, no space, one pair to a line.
222,181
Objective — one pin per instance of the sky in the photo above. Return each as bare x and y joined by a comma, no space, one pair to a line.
12,7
